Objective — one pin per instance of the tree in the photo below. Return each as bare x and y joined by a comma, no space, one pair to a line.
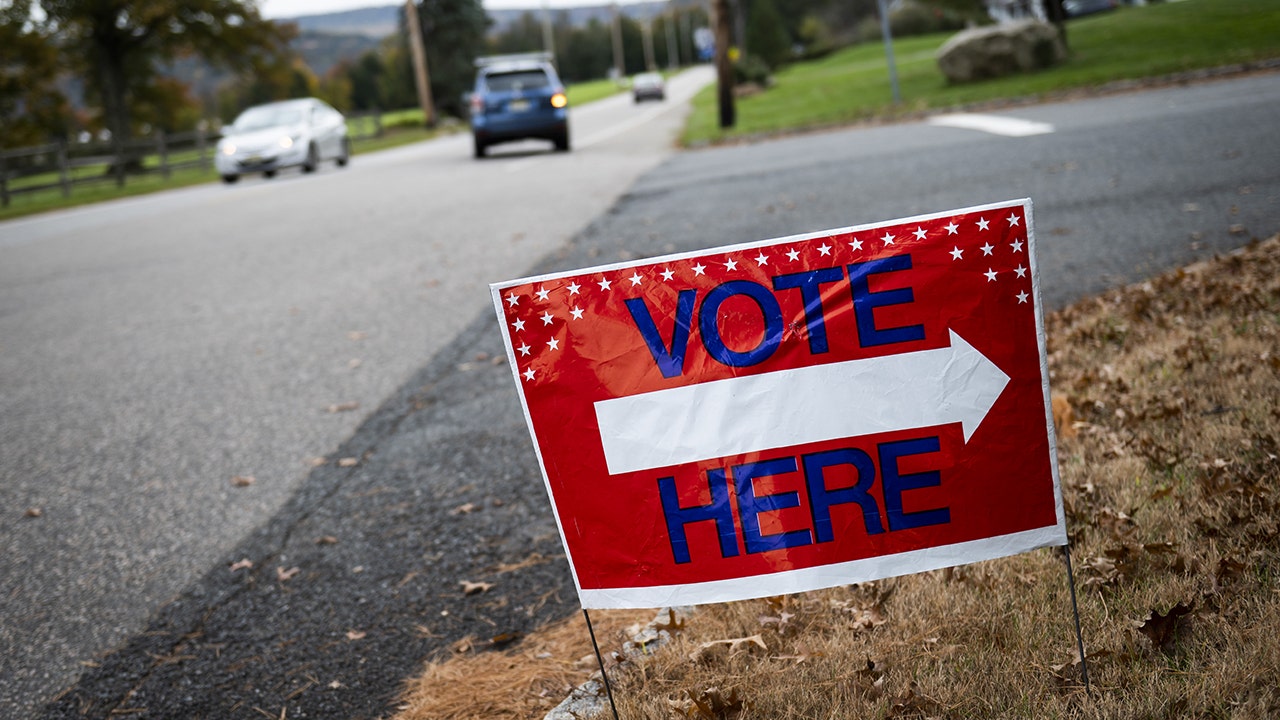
31,107
118,44
454,33
767,39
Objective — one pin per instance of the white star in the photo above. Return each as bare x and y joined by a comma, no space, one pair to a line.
699,269
824,249
888,239
667,275
856,244
982,223
1013,220
793,254
762,259
543,293
547,317
553,344
1022,297
528,374
518,325
920,233
574,288
512,299
956,253
952,228
635,279
604,284
576,313
986,249
1016,245
731,265
1021,271
524,349
991,275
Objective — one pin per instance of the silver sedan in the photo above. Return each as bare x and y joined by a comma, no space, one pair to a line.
292,133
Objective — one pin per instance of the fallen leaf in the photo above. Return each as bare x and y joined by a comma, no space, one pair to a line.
475,588
317,461
501,640
672,625
286,575
464,645
344,407
356,634
243,480
348,462
245,564
464,509
335,685
326,540
713,704
33,512
1162,630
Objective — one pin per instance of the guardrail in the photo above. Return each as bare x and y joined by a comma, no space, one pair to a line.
64,166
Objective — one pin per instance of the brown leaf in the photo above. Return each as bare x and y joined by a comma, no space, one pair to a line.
713,704
912,702
326,540
501,640
33,512
672,625
475,588
1162,630
356,634
464,509
243,480
286,575
348,462
244,564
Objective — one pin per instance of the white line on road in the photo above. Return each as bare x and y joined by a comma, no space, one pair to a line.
994,124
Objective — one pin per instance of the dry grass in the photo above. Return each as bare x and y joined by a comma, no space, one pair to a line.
1170,476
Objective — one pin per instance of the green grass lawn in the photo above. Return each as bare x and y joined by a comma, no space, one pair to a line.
1130,43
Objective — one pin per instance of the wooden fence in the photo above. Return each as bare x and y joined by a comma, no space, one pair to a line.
64,166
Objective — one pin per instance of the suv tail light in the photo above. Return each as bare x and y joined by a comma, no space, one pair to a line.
477,104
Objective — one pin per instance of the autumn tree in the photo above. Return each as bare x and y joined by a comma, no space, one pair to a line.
119,45
31,107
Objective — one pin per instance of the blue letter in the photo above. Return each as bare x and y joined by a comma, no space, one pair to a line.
865,302
895,484
769,309
670,362
751,506
808,283
719,510
821,499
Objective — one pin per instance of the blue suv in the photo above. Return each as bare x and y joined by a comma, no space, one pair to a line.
518,97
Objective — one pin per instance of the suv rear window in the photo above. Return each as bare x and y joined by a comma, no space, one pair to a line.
518,80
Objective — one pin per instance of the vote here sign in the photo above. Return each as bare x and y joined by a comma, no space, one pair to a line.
793,414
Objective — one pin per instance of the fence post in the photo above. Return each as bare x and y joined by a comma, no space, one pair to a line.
202,144
4,180
63,178
163,147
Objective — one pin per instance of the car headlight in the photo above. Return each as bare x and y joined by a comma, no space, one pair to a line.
559,100
228,149
286,142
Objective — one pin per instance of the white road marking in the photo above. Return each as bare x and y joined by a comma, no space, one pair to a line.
994,124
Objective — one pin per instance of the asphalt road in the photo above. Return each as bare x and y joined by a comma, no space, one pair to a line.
445,488
152,350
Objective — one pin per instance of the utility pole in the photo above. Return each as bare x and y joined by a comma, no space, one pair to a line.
673,49
419,52
548,38
619,67
649,63
724,68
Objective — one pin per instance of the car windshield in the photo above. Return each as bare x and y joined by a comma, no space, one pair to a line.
517,80
267,117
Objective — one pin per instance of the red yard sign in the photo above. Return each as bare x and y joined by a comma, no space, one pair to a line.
792,414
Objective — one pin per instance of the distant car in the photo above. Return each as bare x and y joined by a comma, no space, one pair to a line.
517,97
291,133
648,86
1076,8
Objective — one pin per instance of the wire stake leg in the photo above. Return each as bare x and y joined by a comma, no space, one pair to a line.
608,690
1075,609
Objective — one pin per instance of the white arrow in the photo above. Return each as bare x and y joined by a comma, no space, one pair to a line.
792,407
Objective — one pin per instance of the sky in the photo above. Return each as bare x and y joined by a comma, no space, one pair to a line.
294,8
